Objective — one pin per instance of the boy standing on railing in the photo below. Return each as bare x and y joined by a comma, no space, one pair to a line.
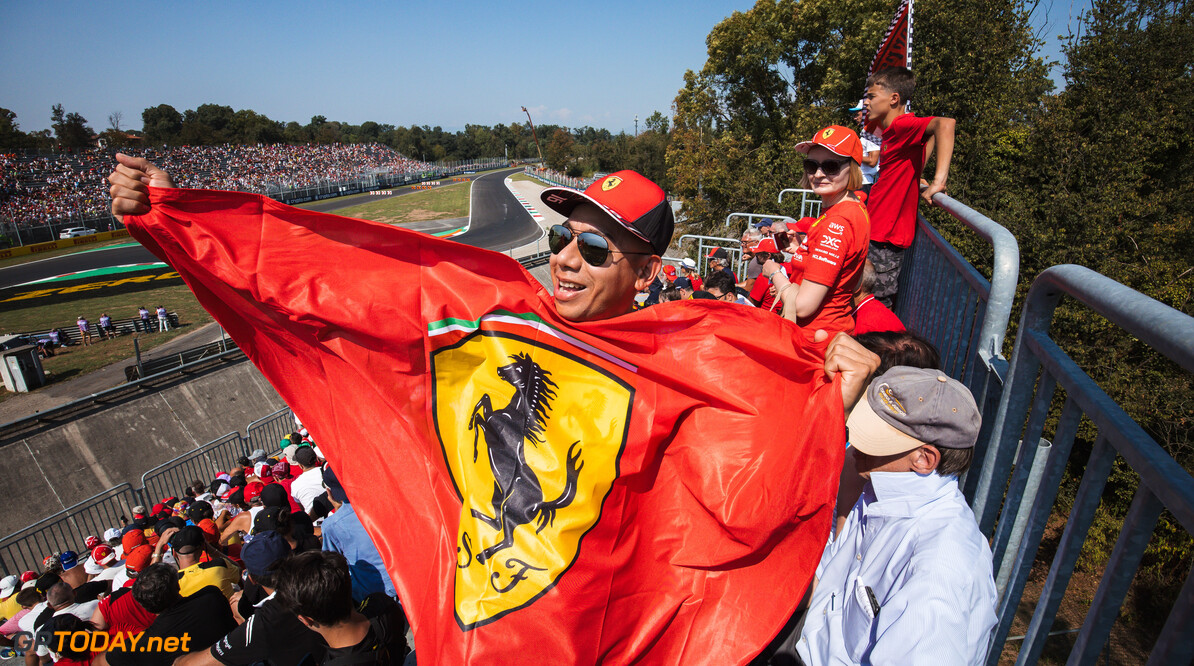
908,141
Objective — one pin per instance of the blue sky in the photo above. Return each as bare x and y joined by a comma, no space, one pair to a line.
446,63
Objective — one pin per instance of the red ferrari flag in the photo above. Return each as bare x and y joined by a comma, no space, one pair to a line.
896,48
652,488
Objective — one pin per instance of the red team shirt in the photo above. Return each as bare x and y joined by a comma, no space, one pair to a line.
833,255
893,198
871,316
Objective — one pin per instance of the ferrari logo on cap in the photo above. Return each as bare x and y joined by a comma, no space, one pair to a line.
827,133
531,435
610,183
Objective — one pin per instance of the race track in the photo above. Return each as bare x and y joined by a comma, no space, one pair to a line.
498,222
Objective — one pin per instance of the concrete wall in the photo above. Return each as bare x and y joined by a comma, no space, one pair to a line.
57,466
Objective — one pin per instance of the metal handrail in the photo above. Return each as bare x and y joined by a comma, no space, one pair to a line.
1038,368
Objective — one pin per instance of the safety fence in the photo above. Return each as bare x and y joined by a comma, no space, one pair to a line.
69,528
557,178
1043,377
945,299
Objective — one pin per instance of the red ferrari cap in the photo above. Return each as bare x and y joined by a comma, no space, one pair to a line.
627,196
805,225
839,140
765,245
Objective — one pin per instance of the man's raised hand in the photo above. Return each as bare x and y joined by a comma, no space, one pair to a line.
855,363
131,180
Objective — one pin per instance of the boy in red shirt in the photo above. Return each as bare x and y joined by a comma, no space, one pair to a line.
908,141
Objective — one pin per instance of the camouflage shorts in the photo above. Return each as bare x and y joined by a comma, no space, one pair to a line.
887,259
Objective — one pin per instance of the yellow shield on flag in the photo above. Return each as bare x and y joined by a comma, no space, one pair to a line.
532,435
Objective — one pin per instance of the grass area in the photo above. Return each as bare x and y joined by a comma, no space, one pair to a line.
26,258
523,176
77,360
438,204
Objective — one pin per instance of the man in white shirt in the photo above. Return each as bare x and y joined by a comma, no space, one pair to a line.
871,145
908,579
309,484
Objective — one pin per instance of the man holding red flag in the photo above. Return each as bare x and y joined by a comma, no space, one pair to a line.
576,483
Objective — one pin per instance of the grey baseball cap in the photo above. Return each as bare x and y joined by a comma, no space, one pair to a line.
908,407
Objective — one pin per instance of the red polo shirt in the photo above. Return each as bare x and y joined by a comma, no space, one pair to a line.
892,203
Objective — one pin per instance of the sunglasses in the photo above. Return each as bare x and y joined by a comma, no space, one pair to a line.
594,248
830,168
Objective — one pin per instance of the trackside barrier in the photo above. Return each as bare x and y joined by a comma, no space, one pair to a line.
202,464
1038,368
24,549
264,433
943,298
707,244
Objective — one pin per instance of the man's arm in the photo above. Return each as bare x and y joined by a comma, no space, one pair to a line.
871,158
131,181
854,362
940,131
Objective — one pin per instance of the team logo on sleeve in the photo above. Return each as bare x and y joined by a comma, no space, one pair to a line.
532,436
610,183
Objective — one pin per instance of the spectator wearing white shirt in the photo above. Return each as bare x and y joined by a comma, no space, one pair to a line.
908,579
309,484
871,145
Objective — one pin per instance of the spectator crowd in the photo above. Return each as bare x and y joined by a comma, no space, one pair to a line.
41,189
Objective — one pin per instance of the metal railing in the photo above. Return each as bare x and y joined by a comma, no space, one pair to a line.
66,530
202,464
264,433
810,203
707,244
1039,368
945,299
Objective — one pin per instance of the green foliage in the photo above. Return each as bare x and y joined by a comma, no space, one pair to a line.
71,129
11,136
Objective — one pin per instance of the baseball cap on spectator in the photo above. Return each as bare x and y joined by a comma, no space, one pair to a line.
335,488
187,540
262,470
70,560
200,510
210,531
229,493
256,455
289,451
718,253
629,198
837,139
101,556
857,107
263,552
8,585
765,245
46,581
137,560
267,519
804,225
139,511
91,541
158,508
763,223
306,457
274,495
28,576
906,408
688,263
281,469
670,271
253,490
683,283
112,534
132,539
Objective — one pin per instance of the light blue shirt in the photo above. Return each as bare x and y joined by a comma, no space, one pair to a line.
343,533
913,541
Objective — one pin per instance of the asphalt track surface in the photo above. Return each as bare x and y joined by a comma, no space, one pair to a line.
498,222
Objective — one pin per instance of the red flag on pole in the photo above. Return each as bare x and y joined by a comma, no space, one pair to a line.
653,488
896,48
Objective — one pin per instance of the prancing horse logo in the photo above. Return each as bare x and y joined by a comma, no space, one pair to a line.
532,431
517,495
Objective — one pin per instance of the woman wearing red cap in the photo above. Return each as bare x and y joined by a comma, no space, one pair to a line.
828,264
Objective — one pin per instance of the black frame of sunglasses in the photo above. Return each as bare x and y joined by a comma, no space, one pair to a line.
823,166
588,242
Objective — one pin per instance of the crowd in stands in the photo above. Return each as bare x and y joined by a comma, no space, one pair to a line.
41,189
264,563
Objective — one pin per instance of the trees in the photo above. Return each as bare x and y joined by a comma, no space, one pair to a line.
71,129
161,124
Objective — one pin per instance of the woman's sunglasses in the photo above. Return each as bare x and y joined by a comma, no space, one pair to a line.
830,168
594,248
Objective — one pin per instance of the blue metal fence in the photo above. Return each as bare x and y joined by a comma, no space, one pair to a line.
1038,368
